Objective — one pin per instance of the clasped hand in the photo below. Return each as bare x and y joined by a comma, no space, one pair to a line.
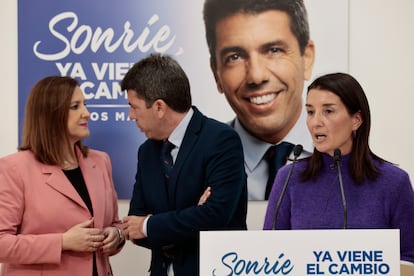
133,225
83,237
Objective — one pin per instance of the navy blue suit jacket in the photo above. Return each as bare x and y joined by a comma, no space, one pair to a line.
211,154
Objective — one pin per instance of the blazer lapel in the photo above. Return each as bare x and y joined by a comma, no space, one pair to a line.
95,184
58,181
190,138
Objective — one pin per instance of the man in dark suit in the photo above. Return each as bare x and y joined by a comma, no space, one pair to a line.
168,208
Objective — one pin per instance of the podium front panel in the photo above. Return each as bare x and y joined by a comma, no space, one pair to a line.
300,252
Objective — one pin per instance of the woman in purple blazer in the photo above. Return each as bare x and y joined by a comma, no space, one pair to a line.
58,205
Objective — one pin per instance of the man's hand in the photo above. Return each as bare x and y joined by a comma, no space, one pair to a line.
133,227
204,196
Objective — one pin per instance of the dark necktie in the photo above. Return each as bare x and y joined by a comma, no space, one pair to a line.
276,156
166,159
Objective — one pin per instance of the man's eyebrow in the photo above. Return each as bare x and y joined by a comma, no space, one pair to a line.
230,49
265,46
270,44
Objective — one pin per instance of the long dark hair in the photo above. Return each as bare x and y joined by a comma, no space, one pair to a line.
348,89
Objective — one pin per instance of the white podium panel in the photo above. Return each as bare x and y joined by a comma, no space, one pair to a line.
300,252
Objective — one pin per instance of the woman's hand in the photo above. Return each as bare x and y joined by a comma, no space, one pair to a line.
83,238
114,237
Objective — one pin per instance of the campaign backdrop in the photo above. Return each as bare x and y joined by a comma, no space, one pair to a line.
96,42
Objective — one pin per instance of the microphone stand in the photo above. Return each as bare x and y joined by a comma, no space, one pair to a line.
296,152
337,158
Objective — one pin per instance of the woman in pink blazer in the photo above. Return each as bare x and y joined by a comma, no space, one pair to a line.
58,205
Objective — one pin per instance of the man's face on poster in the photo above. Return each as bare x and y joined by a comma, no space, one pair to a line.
261,71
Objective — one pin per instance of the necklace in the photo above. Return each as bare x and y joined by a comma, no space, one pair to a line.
67,165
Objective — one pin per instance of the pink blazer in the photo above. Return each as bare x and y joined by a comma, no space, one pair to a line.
38,204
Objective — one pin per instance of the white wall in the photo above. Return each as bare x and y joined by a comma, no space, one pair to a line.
381,58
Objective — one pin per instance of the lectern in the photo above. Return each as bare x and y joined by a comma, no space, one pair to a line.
301,252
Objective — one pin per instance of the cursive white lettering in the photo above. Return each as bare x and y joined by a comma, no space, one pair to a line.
81,37
238,266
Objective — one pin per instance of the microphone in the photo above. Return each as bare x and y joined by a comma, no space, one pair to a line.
297,150
337,159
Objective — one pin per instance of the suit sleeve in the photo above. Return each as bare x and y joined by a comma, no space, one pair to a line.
17,248
116,222
222,170
137,205
108,167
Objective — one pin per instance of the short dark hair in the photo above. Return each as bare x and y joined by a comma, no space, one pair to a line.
159,77
348,89
45,130
216,10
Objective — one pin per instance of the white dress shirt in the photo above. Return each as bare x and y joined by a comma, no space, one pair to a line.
254,150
